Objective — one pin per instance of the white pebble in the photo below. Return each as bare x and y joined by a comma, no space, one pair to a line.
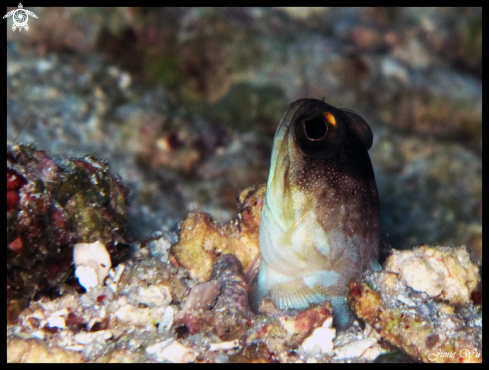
86,301
328,323
83,338
171,350
92,261
117,276
321,341
39,334
354,349
56,322
62,312
87,338
75,348
107,335
224,346
167,319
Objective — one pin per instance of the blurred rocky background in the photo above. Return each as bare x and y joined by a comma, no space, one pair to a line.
184,102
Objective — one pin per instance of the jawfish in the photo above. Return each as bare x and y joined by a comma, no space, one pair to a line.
320,224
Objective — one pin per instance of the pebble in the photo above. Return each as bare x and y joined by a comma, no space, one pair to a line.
39,334
92,262
354,349
86,301
75,348
224,346
221,358
56,322
321,341
171,350
167,319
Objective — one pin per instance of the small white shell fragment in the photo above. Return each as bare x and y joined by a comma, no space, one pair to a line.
75,348
39,334
328,323
63,312
56,322
87,338
92,261
171,350
167,319
103,312
320,341
117,276
83,338
107,335
224,346
354,349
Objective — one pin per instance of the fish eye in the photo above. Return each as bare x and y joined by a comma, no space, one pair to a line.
315,128
318,134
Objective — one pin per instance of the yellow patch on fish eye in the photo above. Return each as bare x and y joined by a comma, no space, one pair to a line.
330,118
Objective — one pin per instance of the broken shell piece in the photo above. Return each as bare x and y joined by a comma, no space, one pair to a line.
116,277
87,338
92,261
63,312
39,334
167,320
75,348
354,349
56,322
224,346
321,341
171,350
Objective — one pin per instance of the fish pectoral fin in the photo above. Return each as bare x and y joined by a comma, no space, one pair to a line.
251,275
294,294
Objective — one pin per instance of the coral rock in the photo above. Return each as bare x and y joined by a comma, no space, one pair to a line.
201,240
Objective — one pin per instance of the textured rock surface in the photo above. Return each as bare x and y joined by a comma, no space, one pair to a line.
53,203
201,240
427,326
